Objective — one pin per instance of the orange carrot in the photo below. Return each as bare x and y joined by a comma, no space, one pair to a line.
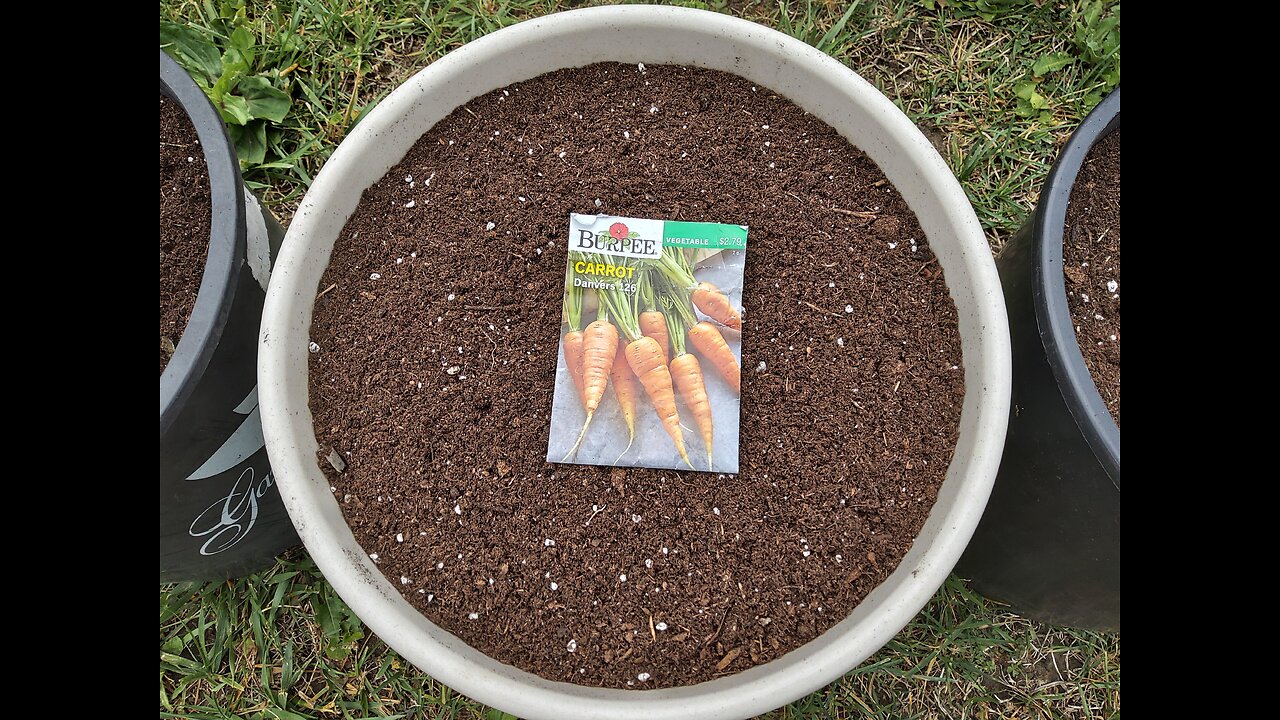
654,324
687,374
599,346
715,305
645,358
572,345
706,338
573,361
624,386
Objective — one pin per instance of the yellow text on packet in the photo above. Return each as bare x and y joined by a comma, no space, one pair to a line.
622,272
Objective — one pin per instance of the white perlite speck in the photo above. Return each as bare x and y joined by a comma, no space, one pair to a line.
453,370
404,580
761,367
622,578
848,309
555,586
660,626
572,646
399,537
643,677
375,276
549,543
626,134
373,557
1112,286
457,509
489,226
410,204
473,616
313,347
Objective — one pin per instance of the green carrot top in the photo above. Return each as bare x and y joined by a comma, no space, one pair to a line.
675,268
620,308
572,298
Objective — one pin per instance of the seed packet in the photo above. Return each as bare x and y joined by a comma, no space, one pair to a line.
649,368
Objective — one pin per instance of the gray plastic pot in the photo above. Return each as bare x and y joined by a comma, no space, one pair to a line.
636,34
1049,544
220,513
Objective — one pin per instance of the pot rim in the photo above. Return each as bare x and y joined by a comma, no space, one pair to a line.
283,353
226,245
1057,331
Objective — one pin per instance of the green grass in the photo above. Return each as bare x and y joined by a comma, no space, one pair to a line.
281,644
997,85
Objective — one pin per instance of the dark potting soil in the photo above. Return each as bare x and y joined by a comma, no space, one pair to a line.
1091,264
185,211
639,578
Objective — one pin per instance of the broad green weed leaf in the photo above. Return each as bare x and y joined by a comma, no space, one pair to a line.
264,100
192,50
243,41
1050,63
172,646
250,141
235,110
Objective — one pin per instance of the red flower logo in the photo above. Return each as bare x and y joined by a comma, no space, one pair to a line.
618,231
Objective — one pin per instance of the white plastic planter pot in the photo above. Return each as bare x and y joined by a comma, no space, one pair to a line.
653,35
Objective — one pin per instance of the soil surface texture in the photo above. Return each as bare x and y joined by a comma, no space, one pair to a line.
185,211
434,347
1091,264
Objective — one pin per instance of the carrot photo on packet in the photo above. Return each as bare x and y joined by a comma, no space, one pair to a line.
654,379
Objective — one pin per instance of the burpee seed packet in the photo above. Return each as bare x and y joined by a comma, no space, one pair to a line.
649,371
